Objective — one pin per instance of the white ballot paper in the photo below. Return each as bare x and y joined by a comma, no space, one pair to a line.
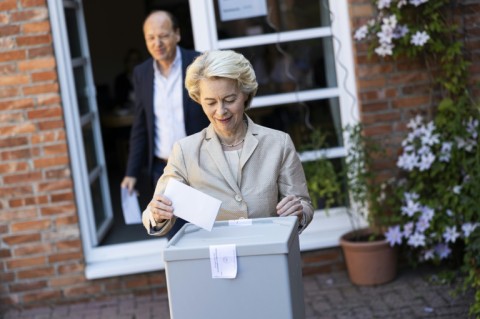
223,261
130,207
192,205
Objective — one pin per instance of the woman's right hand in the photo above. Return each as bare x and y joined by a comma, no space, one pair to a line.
160,208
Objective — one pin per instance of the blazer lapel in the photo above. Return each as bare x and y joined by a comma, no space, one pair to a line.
249,146
214,148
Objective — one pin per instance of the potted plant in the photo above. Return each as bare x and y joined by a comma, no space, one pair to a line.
369,258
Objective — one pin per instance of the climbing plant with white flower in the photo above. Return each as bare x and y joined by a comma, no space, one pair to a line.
435,211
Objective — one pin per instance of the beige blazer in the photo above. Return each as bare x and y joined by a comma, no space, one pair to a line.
269,170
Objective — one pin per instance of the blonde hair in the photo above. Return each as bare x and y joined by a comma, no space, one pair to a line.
221,64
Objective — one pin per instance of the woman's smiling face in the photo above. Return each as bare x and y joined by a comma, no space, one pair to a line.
224,104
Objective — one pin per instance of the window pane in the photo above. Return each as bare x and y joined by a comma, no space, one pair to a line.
89,144
97,201
81,89
73,34
291,66
300,119
281,15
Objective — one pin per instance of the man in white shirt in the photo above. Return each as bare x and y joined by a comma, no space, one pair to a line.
164,112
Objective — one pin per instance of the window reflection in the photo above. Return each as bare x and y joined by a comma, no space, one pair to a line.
282,15
291,66
300,119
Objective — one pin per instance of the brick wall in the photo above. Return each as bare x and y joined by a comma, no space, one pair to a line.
41,259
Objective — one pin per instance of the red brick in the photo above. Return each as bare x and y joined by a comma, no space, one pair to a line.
21,239
66,220
5,253
60,173
36,27
74,244
48,137
81,291
62,197
57,209
25,213
41,297
17,104
37,64
41,89
33,249
25,153
12,118
22,128
50,125
7,5
378,130
15,79
31,225
72,268
26,262
34,40
13,141
65,281
48,99
15,191
381,117
33,3
22,178
9,30
52,186
49,162
44,51
55,149
28,286
13,55
411,101
44,113
9,68
28,201
44,76
6,92
30,15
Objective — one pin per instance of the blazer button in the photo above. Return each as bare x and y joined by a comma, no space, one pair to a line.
238,198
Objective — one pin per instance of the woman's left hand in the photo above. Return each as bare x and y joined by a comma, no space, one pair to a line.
290,205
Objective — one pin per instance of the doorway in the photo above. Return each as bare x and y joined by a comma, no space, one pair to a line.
116,42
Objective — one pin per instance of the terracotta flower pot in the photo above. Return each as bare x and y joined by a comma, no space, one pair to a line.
368,262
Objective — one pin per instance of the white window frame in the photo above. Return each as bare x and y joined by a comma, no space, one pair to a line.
147,255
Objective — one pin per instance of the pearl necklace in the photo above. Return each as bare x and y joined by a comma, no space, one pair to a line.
233,145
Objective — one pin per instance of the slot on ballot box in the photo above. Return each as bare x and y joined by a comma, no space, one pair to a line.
237,270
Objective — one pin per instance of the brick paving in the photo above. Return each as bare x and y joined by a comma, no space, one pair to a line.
327,296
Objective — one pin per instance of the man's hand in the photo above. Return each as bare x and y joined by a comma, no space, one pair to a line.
129,183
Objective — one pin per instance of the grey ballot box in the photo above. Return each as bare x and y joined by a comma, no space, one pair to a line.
268,283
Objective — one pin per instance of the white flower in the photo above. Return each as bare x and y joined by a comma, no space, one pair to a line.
385,36
411,196
383,4
419,38
422,224
415,122
451,234
426,161
468,228
429,254
384,49
400,31
401,3
427,213
457,189
394,235
416,3
411,208
442,250
445,152
407,229
449,213
417,240
361,33
407,161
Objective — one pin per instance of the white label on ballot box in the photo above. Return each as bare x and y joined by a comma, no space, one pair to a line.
223,261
